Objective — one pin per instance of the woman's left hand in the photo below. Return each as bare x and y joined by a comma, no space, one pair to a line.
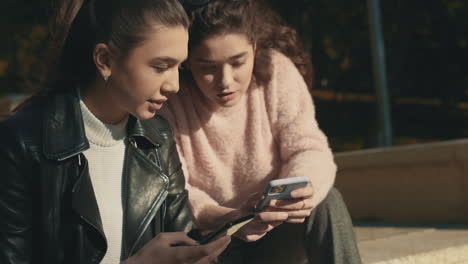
299,207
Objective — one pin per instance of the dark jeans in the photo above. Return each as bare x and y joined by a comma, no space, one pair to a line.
325,237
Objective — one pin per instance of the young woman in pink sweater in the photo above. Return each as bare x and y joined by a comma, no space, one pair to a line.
244,116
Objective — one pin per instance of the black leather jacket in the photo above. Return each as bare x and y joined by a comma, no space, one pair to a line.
48,210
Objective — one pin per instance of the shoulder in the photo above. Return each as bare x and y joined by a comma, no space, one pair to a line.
278,57
286,78
25,125
282,64
20,138
279,60
287,93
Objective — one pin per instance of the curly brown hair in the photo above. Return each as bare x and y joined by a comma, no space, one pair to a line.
262,26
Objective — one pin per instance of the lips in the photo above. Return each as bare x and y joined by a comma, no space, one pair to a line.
226,96
157,104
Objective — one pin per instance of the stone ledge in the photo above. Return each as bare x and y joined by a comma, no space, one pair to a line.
454,150
413,245
426,183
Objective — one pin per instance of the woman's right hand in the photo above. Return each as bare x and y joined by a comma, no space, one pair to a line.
161,249
263,223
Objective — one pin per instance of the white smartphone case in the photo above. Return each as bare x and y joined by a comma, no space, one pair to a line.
281,189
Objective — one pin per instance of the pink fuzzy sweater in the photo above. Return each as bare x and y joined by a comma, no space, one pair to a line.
233,152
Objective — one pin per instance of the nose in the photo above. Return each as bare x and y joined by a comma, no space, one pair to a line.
171,85
226,77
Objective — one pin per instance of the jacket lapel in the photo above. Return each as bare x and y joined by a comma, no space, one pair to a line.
63,130
145,184
84,200
145,190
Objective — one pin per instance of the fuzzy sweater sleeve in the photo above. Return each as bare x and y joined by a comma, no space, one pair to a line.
303,147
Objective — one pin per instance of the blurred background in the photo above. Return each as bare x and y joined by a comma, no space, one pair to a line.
426,60
426,53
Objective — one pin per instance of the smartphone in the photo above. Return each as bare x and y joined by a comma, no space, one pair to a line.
281,189
229,228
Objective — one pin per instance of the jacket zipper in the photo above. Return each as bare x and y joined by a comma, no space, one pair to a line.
163,207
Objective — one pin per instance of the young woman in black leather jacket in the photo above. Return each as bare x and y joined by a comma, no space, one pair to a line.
118,63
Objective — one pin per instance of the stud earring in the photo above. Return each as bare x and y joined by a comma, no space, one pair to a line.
106,78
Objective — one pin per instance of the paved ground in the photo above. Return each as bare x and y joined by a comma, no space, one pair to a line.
380,244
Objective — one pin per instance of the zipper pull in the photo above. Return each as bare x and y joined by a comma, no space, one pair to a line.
133,142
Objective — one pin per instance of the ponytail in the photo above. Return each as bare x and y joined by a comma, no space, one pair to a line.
65,12
78,25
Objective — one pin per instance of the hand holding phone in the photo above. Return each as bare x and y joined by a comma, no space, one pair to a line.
281,189
229,229
163,245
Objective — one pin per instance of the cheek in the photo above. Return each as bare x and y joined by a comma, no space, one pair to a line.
143,84
205,84
245,75
131,78
204,79
208,78
146,76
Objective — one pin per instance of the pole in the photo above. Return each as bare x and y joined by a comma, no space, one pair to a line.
384,134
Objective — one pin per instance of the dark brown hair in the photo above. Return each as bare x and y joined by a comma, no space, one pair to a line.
79,25
262,26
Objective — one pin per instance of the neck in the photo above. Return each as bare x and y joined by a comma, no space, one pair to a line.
97,100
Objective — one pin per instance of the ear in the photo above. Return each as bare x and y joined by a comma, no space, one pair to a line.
102,59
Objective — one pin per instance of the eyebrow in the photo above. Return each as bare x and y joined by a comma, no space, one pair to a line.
168,60
235,57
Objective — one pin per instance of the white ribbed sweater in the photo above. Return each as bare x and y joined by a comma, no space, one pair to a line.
105,160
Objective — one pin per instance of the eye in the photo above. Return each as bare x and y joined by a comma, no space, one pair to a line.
238,64
161,68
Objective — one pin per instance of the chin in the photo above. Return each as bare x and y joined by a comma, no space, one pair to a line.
145,115
230,103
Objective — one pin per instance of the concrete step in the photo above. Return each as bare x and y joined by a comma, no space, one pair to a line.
413,244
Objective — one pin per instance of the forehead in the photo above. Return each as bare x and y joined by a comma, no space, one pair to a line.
220,47
162,41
